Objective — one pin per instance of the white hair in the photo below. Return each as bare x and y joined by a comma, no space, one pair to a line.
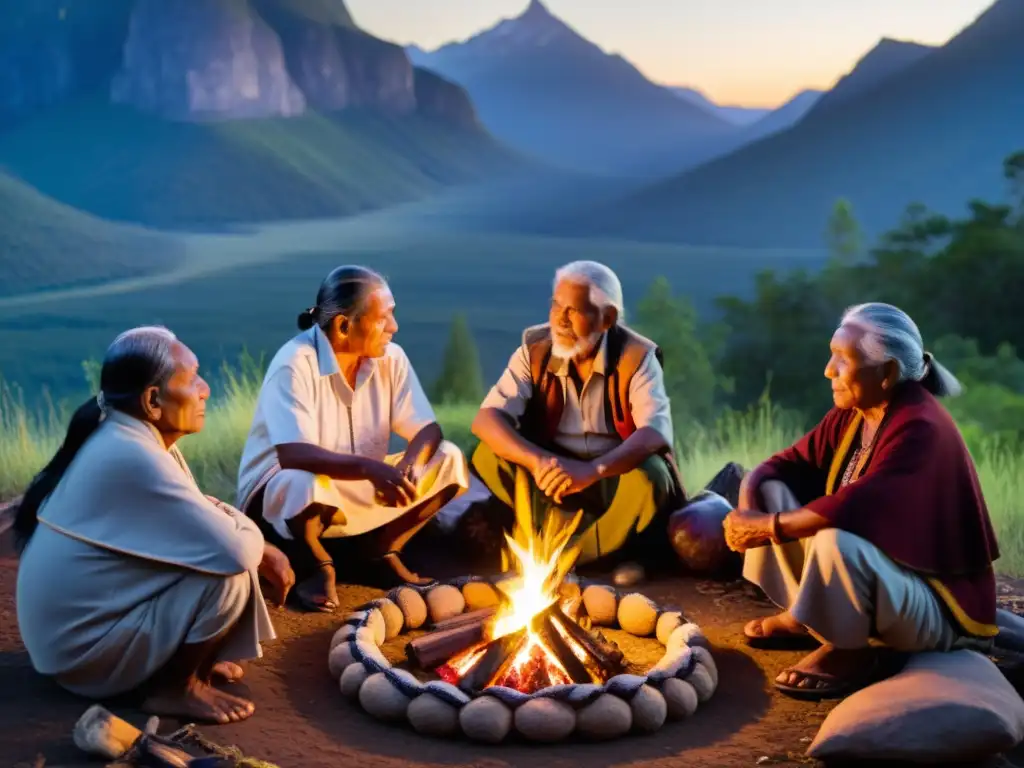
149,343
889,333
605,288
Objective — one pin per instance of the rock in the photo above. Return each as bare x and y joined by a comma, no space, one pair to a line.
393,618
345,632
638,615
412,605
702,683
351,679
382,699
608,717
667,624
601,604
479,594
201,60
432,717
628,575
706,660
649,709
486,720
442,100
337,65
339,658
375,621
444,602
686,635
680,699
545,720
698,538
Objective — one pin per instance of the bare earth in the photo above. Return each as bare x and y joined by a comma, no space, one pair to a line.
302,721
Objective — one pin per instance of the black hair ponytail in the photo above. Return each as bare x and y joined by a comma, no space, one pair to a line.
342,292
83,423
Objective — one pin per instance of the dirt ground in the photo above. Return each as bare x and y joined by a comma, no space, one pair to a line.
302,721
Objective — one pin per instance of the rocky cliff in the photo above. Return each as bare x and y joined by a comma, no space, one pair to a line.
202,60
443,100
51,50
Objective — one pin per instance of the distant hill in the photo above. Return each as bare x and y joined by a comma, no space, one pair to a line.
935,133
784,117
544,89
44,244
732,114
883,61
245,110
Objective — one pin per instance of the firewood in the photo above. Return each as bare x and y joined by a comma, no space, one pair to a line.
549,636
609,658
496,657
434,648
473,617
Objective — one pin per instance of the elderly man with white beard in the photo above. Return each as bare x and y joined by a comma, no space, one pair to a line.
582,409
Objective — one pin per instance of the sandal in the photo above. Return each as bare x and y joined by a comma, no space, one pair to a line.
880,664
310,593
777,640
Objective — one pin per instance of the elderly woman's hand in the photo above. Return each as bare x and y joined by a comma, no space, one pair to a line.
277,570
747,529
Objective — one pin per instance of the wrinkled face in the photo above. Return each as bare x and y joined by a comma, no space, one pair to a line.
576,323
857,383
373,330
179,408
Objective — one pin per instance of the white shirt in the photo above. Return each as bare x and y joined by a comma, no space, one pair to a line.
583,429
306,399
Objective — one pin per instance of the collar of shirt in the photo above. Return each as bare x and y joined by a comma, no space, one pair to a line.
328,363
560,365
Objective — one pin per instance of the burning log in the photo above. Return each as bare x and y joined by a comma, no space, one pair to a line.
496,658
575,667
473,617
609,658
437,647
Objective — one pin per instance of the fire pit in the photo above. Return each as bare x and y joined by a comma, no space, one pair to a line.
526,655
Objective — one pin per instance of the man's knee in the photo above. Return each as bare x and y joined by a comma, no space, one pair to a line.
221,603
658,476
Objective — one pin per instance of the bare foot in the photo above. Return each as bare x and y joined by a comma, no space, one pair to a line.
779,625
227,671
834,672
200,702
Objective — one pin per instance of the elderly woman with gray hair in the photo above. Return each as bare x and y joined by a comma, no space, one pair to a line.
131,580
871,532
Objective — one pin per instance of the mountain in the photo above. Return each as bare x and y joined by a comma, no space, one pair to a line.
544,89
934,133
887,58
734,115
784,117
222,111
44,244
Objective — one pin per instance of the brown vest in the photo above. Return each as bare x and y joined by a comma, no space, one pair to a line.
625,349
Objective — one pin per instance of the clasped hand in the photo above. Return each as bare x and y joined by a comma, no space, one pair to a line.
394,486
746,529
558,477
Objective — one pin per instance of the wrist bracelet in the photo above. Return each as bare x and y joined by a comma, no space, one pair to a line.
776,533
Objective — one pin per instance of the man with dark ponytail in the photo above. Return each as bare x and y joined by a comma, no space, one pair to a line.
316,465
130,579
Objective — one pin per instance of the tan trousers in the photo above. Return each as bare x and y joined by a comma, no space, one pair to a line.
845,590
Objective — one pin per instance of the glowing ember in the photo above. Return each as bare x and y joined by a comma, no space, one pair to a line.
519,650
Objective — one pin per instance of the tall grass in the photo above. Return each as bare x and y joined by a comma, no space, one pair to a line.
28,439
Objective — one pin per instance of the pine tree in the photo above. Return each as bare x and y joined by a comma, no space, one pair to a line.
461,380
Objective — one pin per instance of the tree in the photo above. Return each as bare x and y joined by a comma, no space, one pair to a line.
690,378
461,380
844,235
1013,170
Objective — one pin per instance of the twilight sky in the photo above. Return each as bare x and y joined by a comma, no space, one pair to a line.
751,52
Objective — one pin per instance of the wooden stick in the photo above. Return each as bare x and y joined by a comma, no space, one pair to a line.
608,656
498,655
552,640
435,648
473,617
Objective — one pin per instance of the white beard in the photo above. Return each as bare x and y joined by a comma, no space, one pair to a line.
582,347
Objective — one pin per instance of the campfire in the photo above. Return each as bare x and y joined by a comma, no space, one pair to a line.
538,635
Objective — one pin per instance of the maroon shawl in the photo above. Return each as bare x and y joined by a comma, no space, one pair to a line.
918,500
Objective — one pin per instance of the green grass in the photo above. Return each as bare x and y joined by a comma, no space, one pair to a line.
46,244
121,164
28,438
